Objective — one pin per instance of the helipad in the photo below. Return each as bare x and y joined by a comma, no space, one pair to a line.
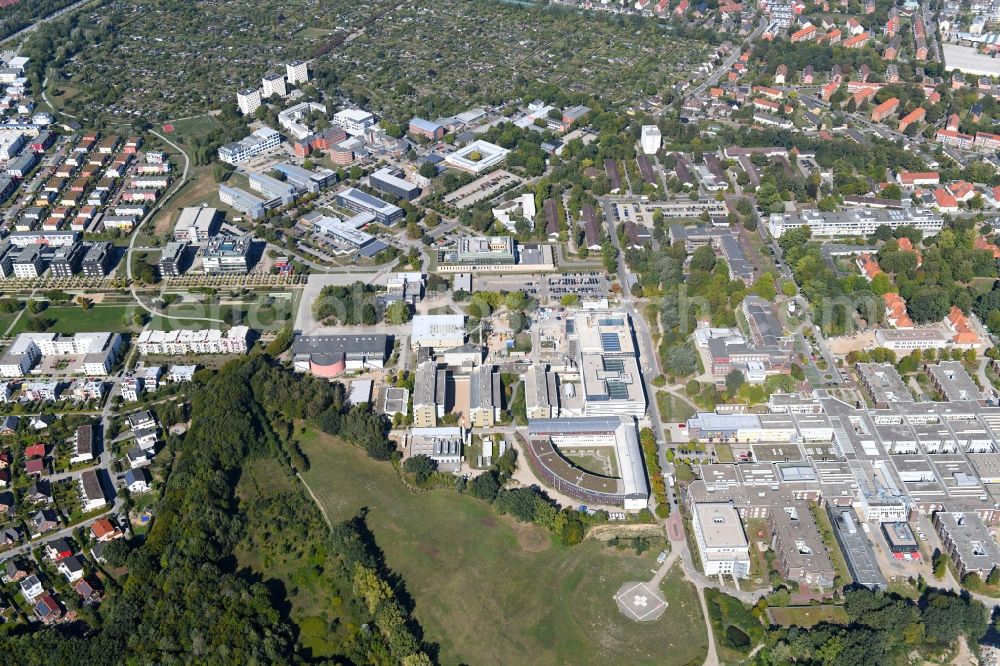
640,602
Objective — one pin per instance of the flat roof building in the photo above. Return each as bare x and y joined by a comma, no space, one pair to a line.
968,542
438,332
332,355
227,255
722,544
272,188
629,489
235,197
387,180
196,224
362,202
858,553
855,222
442,445
952,381
171,262
802,555
477,157
883,383
258,142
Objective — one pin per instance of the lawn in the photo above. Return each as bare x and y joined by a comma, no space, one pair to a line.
672,409
489,590
6,320
74,319
807,616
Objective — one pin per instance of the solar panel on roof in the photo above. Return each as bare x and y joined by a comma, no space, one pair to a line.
617,390
610,342
615,364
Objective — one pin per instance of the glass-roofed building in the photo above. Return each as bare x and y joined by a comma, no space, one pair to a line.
606,359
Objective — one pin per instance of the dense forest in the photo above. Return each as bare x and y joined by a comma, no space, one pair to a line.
186,599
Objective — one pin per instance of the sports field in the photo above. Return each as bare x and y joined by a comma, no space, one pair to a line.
492,591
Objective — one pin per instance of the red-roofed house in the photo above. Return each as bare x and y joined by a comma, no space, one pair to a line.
914,178
895,311
773,93
781,74
906,245
857,42
766,105
827,91
834,36
104,530
944,201
953,121
869,267
915,116
965,334
36,450
982,244
962,190
806,34
954,138
885,109
34,466
987,141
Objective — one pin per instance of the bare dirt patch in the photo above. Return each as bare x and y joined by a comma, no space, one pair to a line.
532,538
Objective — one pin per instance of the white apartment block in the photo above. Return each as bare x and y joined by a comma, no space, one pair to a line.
855,222
297,72
650,139
99,351
273,84
353,121
263,139
131,389
722,544
176,343
248,101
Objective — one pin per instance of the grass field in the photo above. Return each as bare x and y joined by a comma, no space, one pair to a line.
489,590
672,408
189,128
74,319
807,616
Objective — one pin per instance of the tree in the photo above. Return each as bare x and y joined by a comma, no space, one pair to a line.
485,486
734,380
703,259
397,313
572,532
681,360
421,466
370,587
427,169
881,284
